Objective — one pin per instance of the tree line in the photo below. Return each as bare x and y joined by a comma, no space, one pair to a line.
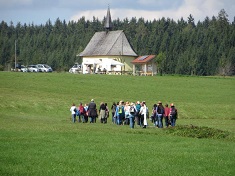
182,47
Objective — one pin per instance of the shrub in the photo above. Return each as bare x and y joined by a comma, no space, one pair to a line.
1,68
197,132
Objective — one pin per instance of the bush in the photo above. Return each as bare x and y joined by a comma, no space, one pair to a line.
1,68
197,132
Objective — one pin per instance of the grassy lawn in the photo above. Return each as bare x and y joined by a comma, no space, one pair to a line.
37,136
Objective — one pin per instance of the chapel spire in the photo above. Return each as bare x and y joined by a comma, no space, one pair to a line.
108,22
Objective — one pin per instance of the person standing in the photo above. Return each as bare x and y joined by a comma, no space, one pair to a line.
143,112
86,113
160,113
113,108
132,115
73,111
81,115
173,114
167,115
154,115
127,113
92,111
138,115
102,112
120,113
106,113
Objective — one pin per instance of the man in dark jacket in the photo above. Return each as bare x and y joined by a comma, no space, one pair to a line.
92,111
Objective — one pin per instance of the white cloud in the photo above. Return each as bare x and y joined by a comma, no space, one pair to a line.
89,14
40,11
199,9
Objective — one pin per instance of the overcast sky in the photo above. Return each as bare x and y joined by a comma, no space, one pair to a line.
39,11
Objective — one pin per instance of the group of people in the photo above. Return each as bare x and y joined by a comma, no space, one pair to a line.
89,111
126,113
129,113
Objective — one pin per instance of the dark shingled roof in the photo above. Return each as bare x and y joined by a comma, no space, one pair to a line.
113,43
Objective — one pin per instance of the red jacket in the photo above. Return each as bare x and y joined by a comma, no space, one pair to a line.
81,109
167,111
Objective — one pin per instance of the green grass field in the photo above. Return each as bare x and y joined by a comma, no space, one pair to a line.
37,136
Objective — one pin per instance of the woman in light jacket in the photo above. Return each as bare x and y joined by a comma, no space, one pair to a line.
73,110
143,112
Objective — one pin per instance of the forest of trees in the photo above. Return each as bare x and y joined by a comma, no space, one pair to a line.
183,47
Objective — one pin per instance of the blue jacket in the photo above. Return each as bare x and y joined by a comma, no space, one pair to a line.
122,114
138,106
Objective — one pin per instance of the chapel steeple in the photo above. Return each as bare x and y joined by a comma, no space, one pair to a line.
108,22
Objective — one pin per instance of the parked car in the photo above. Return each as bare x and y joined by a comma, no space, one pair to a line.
32,68
23,68
75,69
44,68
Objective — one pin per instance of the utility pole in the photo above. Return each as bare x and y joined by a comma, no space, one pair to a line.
122,56
15,55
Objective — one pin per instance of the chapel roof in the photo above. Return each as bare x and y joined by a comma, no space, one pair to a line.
106,43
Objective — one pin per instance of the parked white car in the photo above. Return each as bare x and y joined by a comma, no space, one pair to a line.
44,68
32,68
23,68
75,69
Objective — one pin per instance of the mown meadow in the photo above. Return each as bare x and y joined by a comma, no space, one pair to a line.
37,136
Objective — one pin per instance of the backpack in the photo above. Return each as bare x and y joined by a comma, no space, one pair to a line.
132,110
77,111
173,112
160,110
120,110
82,110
